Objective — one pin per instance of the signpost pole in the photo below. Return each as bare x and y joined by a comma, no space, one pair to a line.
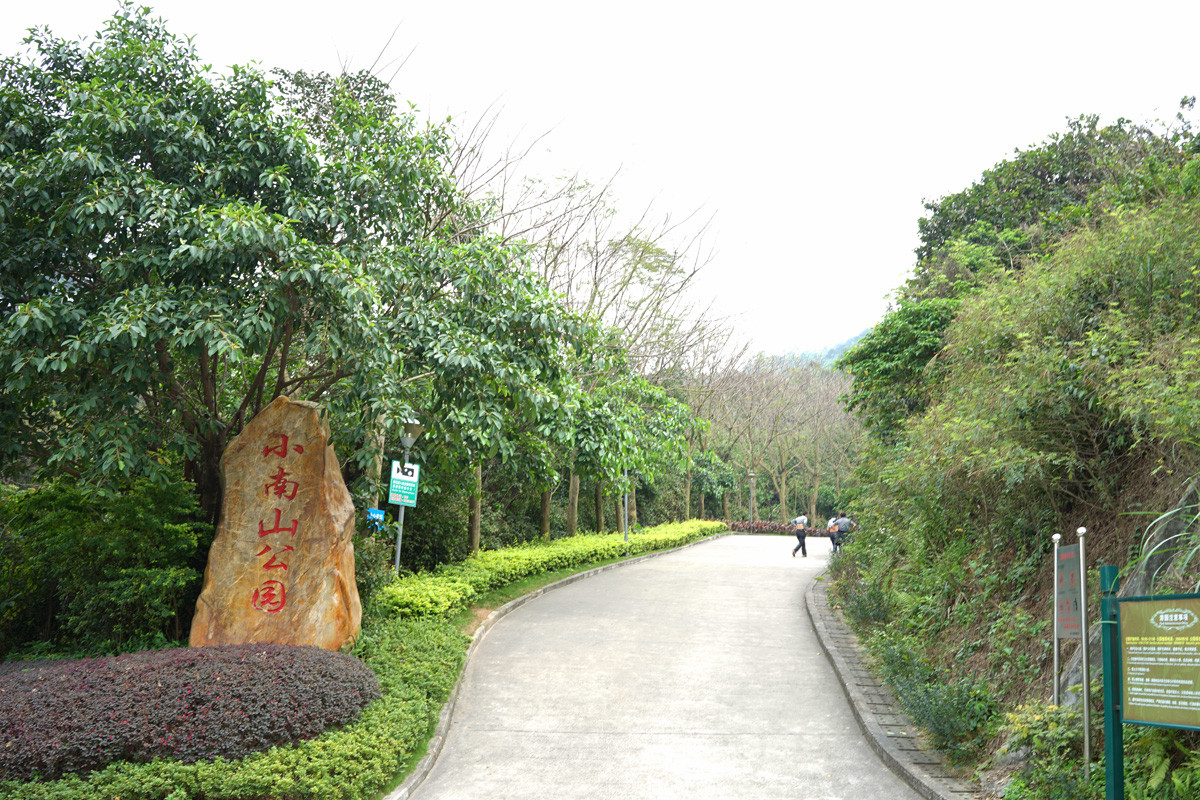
1054,630
405,495
1114,746
1087,673
399,536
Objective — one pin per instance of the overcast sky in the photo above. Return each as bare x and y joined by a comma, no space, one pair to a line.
809,133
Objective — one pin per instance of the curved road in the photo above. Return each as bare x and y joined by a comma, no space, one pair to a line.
692,675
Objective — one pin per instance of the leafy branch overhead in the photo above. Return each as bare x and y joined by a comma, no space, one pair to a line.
177,248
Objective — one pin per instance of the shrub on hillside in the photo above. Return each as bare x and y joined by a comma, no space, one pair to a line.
957,713
188,704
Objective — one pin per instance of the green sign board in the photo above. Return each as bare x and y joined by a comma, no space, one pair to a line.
403,488
1160,657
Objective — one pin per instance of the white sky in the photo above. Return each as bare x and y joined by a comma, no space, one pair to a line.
809,132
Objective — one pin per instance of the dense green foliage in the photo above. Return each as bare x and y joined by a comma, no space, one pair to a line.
100,574
188,704
890,364
177,249
1038,373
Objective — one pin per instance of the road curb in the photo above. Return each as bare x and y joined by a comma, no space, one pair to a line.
421,771
887,730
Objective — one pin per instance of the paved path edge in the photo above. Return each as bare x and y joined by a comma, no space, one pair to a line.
421,771
887,731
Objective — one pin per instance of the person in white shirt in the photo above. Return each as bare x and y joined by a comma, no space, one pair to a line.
800,525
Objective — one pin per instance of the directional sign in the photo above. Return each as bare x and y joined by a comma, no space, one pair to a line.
405,479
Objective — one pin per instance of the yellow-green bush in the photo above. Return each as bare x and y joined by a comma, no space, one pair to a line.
452,586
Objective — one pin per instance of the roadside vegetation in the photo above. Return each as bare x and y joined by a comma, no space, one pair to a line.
254,720
1039,372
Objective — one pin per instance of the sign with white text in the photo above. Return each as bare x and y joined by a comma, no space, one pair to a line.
405,480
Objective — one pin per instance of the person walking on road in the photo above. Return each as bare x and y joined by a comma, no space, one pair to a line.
839,530
800,526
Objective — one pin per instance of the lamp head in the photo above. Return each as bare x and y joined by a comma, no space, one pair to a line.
412,432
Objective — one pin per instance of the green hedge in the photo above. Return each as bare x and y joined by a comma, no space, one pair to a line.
453,586
416,654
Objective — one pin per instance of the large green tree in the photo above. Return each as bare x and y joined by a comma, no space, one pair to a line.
178,247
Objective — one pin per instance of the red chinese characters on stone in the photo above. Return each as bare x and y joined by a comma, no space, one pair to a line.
282,449
279,527
294,583
270,597
272,563
281,486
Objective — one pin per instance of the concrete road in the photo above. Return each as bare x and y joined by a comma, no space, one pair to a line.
692,675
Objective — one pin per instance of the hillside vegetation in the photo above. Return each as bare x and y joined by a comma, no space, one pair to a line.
1039,372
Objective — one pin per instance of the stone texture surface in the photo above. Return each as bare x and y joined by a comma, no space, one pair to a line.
281,568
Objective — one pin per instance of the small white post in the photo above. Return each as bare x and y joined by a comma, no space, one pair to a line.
1087,673
1054,630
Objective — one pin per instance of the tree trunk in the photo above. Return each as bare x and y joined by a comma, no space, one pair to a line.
620,516
816,479
702,505
812,497
378,439
476,503
633,505
572,503
784,512
546,514
599,506
725,505
687,493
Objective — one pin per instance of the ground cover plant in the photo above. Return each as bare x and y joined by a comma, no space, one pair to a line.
189,704
416,658
745,526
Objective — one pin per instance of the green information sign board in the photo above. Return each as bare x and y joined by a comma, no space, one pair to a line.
1160,658
405,480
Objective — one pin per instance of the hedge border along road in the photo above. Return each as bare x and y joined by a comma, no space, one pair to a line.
418,659
421,771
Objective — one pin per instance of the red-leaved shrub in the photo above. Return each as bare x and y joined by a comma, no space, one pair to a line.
190,704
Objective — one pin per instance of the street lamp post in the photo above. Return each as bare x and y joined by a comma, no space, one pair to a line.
412,431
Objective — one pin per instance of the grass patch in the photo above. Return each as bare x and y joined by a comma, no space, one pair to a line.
468,619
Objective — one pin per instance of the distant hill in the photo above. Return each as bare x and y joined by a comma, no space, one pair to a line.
837,351
826,357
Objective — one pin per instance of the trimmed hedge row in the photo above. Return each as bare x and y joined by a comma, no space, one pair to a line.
453,586
743,526
190,704
416,662
417,659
